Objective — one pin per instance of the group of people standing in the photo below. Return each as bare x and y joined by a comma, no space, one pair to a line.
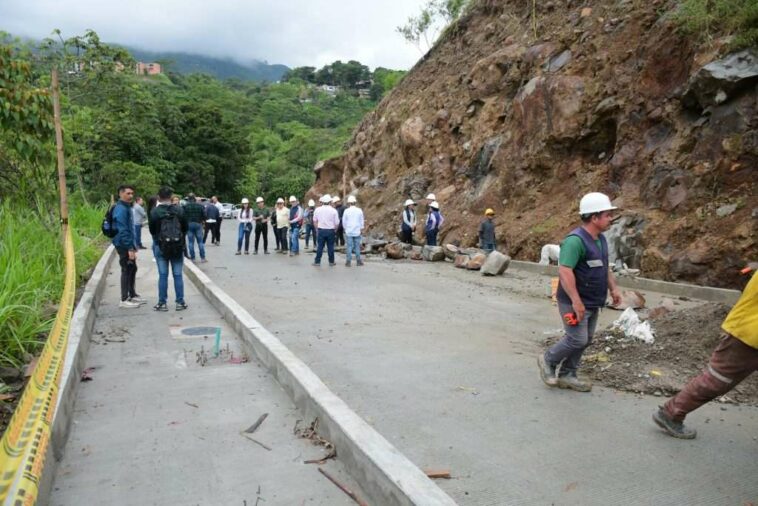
325,225
432,225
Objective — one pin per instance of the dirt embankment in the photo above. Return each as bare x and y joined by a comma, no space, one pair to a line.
607,96
684,341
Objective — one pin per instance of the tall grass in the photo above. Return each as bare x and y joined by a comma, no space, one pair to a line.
32,271
712,18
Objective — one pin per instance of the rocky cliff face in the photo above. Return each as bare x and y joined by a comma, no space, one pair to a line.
607,97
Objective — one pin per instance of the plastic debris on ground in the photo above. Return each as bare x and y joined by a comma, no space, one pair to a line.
629,323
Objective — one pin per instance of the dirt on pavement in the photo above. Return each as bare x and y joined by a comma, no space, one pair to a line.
684,341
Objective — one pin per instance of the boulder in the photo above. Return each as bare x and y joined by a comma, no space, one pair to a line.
461,261
415,254
412,132
476,262
722,79
451,250
433,253
395,251
496,264
629,298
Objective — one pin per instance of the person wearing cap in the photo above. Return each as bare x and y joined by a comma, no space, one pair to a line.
261,215
245,221
409,221
585,278
295,221
353,223
340,237
282,224
326,220
734,359
434,221
487,232
310,230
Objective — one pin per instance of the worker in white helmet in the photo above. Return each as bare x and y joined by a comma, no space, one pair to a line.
295,221
339,239
326,220
353,223
409,221
282,224
310,231
585,280
434,221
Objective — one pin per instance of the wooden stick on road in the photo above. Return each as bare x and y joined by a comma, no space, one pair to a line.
342,487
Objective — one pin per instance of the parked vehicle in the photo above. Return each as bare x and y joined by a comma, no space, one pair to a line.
236,210
226,210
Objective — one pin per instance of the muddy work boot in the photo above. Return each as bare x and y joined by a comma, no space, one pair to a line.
547,372
572,382
671,426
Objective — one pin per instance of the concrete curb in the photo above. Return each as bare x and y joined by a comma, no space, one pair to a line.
386,475
675,289
80,331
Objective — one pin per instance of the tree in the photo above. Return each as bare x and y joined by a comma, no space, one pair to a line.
433,17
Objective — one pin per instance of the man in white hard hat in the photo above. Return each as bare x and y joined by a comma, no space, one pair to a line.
282,223
296,221
310,230
585,280
326,220
261,216
434,221
353,223
409,221
429,199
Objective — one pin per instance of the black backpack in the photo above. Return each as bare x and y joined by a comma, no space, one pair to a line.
108,227
170,236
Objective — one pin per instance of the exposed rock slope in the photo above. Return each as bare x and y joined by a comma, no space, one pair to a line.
608,97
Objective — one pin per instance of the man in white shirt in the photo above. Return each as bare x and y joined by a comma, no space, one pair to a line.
326,220
352,223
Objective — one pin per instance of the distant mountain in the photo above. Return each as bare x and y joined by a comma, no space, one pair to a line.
222,68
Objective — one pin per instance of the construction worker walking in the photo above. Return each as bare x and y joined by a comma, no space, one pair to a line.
734,359
585,279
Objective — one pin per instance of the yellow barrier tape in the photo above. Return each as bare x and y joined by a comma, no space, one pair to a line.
24,444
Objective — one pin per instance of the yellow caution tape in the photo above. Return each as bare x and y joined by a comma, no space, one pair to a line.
24,443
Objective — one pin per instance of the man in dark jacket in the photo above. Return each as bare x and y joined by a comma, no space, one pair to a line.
124,242
165,210
487,231
340,237
212,221
195,214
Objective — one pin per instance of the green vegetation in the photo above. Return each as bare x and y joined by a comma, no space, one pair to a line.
195,133
351,77
32,269
711,18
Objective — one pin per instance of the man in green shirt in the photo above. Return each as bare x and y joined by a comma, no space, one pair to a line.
585,280
261,215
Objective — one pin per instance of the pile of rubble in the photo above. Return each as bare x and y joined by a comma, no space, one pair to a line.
489,264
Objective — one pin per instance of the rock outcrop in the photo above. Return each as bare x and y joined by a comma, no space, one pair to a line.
608,97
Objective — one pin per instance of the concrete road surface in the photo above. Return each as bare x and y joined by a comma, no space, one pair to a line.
442,363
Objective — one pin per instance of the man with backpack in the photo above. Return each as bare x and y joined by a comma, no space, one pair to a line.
120,223
168,226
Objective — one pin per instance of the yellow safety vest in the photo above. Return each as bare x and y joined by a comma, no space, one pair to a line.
742,320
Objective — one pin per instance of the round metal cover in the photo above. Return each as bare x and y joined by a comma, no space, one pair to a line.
199,331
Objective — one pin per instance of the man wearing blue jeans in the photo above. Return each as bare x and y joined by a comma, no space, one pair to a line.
195,214
585,279
326,220
166,211
352,223
296,221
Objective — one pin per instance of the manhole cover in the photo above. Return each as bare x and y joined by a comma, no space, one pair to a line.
199,331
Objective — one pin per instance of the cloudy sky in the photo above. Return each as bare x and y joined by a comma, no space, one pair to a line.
292,32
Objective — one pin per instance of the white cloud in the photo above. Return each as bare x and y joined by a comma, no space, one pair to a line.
292,32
